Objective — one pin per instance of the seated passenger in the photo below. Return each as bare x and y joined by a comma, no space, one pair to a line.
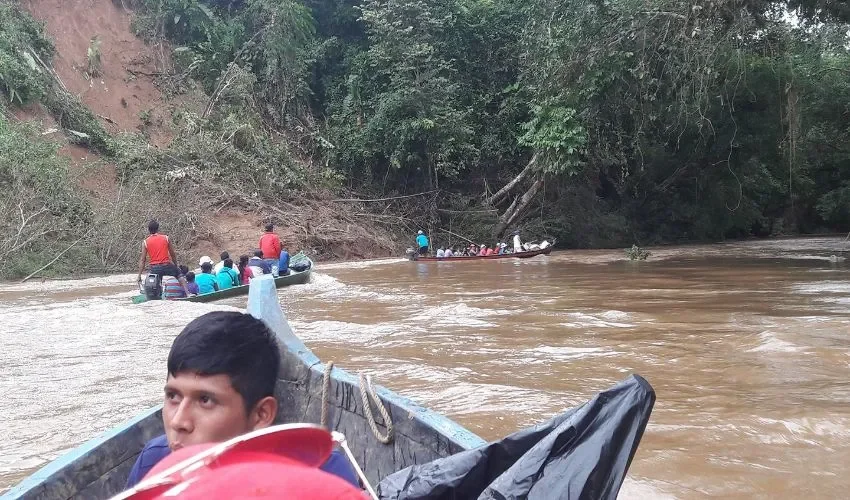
227,277
258,265
205,258
283,263
191,286
222,370
448,252
172,288
220,264
206,281
441,253
245,273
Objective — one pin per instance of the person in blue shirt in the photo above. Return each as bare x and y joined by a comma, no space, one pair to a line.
206,280
222,370
422,243
283,263
227,277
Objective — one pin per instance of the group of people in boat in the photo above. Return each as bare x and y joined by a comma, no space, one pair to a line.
168,280
473,250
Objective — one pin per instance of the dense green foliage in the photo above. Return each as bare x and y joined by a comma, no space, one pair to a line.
598,123
649,120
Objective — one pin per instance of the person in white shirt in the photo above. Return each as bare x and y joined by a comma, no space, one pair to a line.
448,253
517,243
441,253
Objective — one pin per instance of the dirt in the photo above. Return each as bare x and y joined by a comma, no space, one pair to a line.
125,96
125,89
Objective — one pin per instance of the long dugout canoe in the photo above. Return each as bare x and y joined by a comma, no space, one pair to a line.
293,278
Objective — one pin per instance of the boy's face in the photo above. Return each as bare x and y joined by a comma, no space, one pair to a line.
202,409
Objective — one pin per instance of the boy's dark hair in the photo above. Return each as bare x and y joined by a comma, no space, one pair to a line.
233,344
190,277
206,267
184,270
224,255
269,227
153,226
228,263
258,253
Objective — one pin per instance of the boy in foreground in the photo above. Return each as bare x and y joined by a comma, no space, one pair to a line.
222,370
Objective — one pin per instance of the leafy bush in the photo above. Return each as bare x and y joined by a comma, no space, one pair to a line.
637,253
42,209
22,42
74,116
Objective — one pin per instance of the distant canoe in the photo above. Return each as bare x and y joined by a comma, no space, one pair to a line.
518,255
293,278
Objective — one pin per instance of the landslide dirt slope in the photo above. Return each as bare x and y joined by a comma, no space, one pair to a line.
125,87
124,90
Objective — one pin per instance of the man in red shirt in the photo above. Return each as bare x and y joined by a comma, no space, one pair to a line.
270,244
158,248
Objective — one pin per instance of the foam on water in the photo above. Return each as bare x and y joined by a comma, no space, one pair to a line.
583,320
345,332
769,342
37,286
821,287
326,287
458,314
548,354
363,264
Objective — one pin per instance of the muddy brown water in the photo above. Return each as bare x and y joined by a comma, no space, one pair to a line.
746,344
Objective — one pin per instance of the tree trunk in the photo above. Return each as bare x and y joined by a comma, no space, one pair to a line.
518,208
502,193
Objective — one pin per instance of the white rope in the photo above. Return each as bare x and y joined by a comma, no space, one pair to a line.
367,390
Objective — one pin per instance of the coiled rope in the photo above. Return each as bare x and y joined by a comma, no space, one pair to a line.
366,391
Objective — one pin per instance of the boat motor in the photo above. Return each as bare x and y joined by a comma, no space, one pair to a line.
153,287
410,253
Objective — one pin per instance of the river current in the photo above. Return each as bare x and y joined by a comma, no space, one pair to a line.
746,344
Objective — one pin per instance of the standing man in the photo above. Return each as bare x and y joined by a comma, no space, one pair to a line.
270,244
422,243
157,248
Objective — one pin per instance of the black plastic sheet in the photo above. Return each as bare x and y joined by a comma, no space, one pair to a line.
583,453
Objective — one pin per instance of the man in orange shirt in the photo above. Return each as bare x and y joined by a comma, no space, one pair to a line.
270,244
158,248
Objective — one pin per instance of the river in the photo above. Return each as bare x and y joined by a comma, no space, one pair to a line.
746,344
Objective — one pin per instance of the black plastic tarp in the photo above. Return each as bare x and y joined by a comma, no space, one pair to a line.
583,453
